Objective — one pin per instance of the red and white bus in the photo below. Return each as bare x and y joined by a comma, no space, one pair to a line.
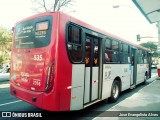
60,63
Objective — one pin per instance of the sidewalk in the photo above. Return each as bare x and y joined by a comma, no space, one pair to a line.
146,100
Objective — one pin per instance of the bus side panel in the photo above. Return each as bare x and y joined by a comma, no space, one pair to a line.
107,82
126,71
64,67
139,73
110,73
77,88
141,70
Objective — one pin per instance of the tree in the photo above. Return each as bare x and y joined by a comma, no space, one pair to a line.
5,43
152,47
50,5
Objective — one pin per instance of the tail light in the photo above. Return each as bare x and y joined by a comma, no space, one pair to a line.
50,78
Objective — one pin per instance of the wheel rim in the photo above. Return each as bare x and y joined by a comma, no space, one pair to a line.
115,91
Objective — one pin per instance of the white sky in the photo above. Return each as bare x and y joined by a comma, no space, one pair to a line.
125,21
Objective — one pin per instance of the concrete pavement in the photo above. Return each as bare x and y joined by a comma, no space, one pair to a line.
145,104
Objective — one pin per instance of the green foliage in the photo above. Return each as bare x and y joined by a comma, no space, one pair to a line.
5,35
1,59
5,44
152,47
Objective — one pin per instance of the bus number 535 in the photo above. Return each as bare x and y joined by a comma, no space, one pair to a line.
38,57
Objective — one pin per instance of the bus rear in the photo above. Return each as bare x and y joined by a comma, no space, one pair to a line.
33,60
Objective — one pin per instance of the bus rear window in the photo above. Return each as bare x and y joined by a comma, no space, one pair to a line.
34,33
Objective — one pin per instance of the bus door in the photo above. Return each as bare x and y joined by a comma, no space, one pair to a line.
133,66
92,58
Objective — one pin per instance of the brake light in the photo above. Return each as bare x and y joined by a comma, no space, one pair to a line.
50,78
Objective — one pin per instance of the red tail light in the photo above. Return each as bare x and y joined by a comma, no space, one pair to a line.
50,78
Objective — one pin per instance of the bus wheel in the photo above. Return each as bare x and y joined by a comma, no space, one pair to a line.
115,91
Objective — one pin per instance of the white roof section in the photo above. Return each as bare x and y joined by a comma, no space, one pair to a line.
149,8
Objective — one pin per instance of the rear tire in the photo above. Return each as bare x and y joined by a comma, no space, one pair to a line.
115,91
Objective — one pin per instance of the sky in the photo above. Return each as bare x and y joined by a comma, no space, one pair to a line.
126,21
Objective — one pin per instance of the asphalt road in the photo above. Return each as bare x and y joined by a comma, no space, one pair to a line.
10,103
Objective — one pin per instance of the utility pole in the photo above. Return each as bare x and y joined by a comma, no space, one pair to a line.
158,27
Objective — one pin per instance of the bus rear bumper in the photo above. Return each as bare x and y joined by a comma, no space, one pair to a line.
39,99
34,98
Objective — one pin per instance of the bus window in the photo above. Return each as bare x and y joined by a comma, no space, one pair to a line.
115,53
74,44
88,52
111,55
107,50
124,55
108,44
145,57
114,45
140,57
120,46
132,59
34,33
96,53
74,35
125,48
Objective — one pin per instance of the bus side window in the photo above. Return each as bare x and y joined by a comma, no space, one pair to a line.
132,60
108,54
111,51
124,55
96,52
74,44
115,56
87,51
115,52
145,57
140,57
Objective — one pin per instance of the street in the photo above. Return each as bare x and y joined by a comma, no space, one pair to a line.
11,104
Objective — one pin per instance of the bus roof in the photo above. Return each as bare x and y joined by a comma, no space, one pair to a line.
86,25
106,33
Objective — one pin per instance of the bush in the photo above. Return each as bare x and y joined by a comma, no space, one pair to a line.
1,59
